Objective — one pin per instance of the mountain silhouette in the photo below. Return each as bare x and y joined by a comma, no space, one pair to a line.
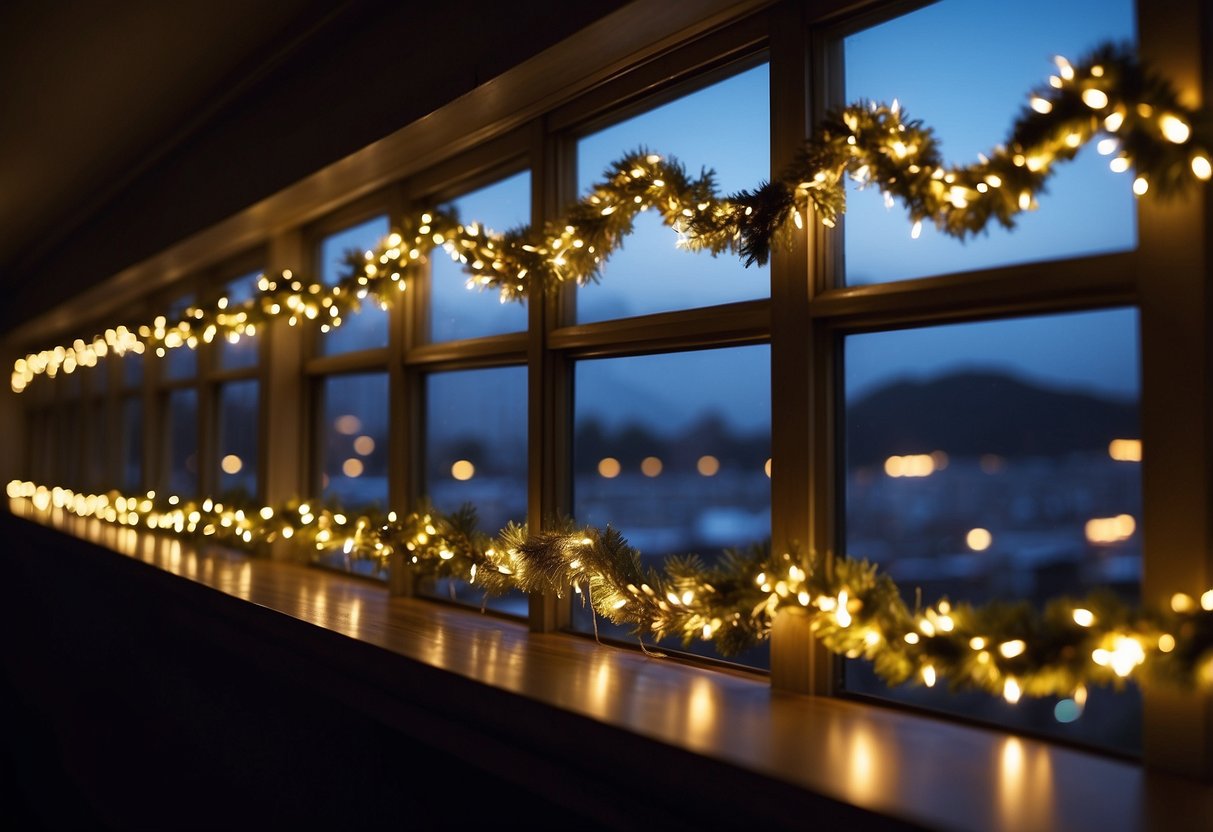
974,413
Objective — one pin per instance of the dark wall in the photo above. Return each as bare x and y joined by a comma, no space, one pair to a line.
377,66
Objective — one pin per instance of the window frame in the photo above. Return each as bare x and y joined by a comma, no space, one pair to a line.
804,321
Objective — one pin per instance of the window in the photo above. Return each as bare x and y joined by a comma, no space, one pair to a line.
368,327
968,415
970,112
671,447
724,127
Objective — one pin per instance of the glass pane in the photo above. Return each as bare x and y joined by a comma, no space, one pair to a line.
237,437
457,308
182,440
243,353
367,328
672,451
978,457
1087,210
354,454
132,369
355,435
475,447
98,438
131,475
99,376
180,362
724,127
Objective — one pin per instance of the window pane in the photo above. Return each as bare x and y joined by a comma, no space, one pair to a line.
367,328
672,450
132,369
354,454
180,362
476,453
461,311
243,353
355,435
99,376
132,445
237,457
98,438
977,455
1087,210
724,127
182,439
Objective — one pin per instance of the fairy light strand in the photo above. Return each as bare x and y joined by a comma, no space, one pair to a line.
1006,649
1135,117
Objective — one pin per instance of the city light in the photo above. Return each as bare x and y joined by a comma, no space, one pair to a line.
352,468
651,466
766,467
463,470
708,466
609,467
911,465
1125,450
364,445
231,464
1111,529
348,424
979,539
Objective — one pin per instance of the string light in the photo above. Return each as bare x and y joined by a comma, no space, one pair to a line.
860,139
854,610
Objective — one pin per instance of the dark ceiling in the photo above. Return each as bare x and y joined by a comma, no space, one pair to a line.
110,110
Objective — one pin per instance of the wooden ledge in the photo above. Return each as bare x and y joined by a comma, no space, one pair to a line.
614,731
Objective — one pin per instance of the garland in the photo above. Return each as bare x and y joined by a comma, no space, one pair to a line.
1139,116
855,610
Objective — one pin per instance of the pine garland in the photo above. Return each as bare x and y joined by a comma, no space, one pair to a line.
854,609
1139,116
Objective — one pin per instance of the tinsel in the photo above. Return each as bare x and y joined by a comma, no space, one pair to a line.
1136,115
855,610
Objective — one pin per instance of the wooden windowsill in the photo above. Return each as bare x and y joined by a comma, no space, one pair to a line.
607,709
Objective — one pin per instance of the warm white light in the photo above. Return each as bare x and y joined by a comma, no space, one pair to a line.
1125,450
1174,129
609,467
979,539
1119,165
1110,529
364,445
348,424
1041,105
1202,168
352,468
1095,99
766,467
463,470
1083,617
231,464
1013,648
1140,186
708,466
651,466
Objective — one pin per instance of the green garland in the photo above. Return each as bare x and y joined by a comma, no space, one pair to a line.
1109,94
856,611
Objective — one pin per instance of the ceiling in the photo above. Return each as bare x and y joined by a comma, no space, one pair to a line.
95,92
128,125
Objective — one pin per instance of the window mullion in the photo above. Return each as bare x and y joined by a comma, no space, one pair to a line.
800,506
